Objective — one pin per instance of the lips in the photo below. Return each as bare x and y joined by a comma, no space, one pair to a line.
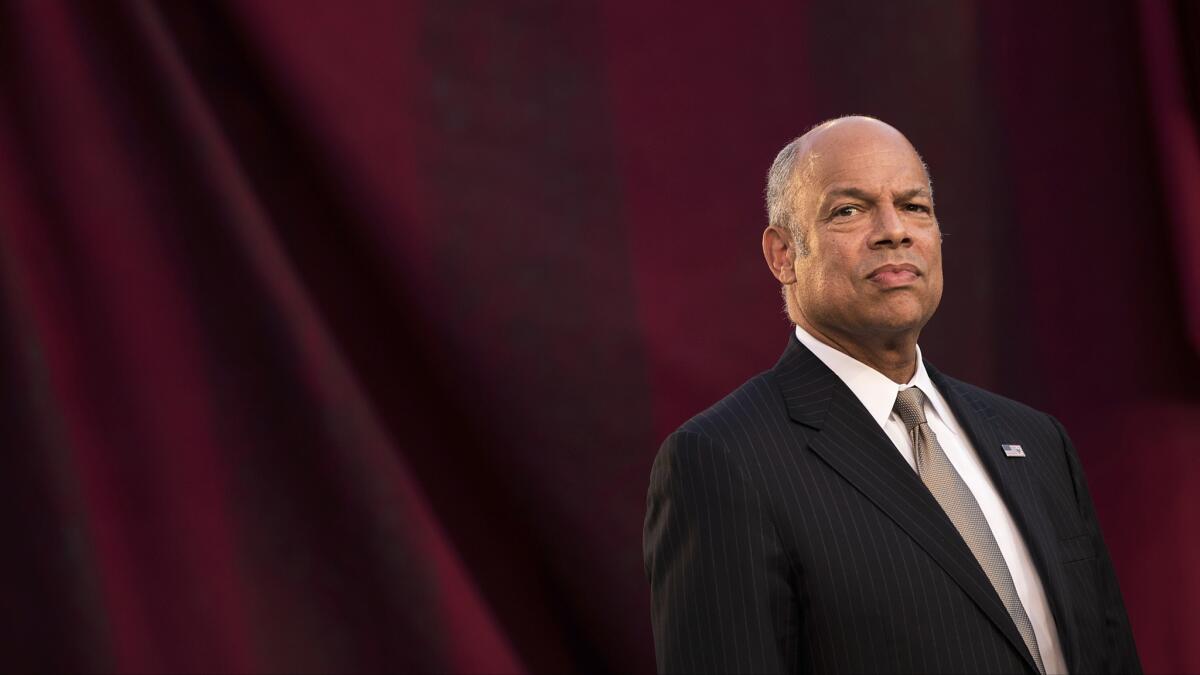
892,276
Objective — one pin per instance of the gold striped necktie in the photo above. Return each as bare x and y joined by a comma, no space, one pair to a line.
959,503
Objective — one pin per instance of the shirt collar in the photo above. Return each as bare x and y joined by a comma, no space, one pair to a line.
874,389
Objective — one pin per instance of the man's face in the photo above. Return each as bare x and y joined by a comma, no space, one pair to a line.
874,265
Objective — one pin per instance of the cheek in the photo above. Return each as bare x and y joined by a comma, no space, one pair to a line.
935,265
931,250
832,270
818,283
935,280
839,270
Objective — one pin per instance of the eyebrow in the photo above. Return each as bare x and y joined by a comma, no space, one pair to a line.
859,193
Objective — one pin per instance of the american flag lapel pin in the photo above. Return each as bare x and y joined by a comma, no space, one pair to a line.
1012,450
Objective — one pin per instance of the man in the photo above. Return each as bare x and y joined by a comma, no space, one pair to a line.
853,509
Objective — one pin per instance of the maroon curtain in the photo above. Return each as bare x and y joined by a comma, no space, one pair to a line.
1171,37
340,337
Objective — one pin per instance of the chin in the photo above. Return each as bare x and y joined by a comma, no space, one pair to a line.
901,322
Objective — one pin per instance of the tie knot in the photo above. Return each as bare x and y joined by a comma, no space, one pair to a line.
910,406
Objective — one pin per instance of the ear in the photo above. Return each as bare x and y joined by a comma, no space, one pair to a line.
780,253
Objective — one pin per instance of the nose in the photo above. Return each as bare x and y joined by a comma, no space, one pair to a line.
890,229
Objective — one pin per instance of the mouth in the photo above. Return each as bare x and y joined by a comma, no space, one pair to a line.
894,276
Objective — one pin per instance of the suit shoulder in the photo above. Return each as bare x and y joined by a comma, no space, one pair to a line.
1003,406
739,414
735,433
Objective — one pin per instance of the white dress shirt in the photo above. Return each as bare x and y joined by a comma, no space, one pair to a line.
878,395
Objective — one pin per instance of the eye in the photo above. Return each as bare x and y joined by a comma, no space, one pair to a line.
845,211
916,208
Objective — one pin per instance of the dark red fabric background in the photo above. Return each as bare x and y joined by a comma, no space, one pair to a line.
341,336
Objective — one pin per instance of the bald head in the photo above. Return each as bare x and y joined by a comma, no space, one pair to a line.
853,239
790,181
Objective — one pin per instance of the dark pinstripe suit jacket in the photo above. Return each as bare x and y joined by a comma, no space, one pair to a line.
785,533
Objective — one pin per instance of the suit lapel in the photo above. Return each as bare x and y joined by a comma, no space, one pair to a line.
854,445
1014,479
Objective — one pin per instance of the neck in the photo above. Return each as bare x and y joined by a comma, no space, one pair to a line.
894,355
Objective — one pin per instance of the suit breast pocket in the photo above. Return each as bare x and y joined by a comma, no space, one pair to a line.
1076,549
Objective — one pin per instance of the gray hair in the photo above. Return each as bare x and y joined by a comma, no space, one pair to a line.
781,188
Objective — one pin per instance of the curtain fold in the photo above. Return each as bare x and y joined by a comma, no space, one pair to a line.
1171,47
190,443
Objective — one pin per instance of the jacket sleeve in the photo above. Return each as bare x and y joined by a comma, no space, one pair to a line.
1120,653
720,598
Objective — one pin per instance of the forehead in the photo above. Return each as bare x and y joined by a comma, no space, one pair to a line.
875,159
876,169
